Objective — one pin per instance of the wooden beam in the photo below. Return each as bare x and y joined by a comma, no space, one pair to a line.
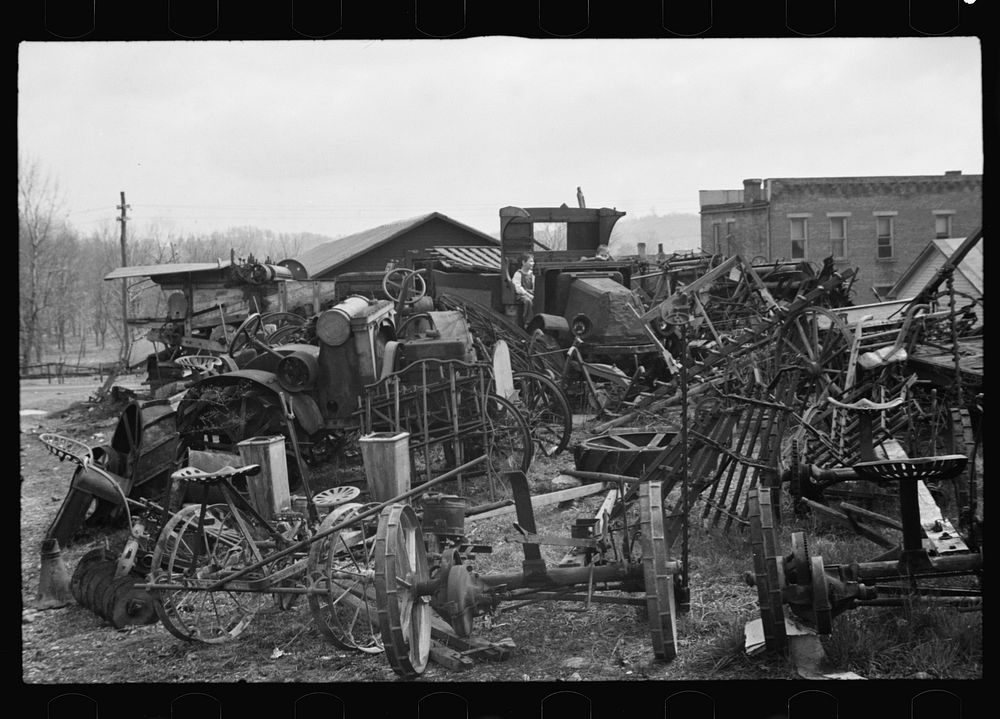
542,500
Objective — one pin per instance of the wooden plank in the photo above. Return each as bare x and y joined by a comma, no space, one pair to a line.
862,529
705,280
543,500
854,510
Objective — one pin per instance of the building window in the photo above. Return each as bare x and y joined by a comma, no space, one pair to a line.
799,232
730,234
942,225
883,242
838,237
717,238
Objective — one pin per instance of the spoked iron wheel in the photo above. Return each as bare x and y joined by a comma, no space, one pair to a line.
189,549
507,443
404,615
660,600
342,564
546,410
768,567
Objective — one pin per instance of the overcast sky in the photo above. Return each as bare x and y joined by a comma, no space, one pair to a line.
334,137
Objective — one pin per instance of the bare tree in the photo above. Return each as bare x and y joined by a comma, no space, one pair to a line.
40,228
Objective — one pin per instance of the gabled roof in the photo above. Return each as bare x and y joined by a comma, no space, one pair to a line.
321,259
971,266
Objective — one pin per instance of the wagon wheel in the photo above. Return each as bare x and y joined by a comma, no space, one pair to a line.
506,441
186,551
660,601
404,614
768,567
817,343
546,410
342,564
394,280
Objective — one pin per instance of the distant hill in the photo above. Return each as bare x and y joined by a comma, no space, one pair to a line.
675,231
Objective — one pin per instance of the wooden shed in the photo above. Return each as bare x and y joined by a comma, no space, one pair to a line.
968,277
372,251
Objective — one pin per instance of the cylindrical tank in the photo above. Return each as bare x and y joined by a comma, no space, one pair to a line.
334,325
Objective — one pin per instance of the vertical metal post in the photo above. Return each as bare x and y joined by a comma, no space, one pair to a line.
125,350
681,318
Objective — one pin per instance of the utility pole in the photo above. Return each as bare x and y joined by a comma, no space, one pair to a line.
125,330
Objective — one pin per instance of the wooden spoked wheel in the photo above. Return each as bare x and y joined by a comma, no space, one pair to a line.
400,566
191,548
342,565
817,343
660,600
395,280
768,567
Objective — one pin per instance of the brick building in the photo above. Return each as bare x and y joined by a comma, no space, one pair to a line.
878,225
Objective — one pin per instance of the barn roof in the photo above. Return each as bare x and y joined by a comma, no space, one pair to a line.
319,260
971,266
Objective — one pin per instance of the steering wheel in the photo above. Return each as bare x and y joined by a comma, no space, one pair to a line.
247,331
394,281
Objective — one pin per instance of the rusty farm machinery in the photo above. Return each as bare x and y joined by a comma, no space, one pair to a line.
777,392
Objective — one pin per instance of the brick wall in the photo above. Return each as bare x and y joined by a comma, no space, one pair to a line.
765,229
912,199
